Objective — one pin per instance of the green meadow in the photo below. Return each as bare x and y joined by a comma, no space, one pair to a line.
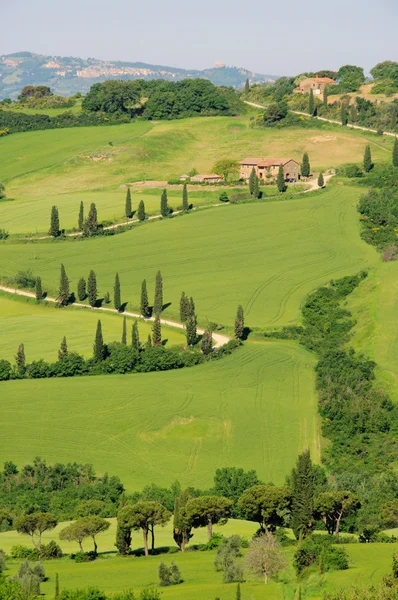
65,166
265,256
41,328
173,425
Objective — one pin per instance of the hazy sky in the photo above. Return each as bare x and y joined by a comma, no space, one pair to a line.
266,36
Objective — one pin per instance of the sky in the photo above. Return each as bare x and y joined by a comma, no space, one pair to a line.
265,36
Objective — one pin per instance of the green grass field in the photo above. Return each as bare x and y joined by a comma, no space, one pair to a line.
35,325
66,166
375,307
173,425
266,256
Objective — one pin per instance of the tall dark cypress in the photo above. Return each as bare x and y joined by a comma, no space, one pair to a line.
91,224
124,331
343,115
164,209
128,206
81,289
305,165
81,216
325,95
56,594
141,211
63,293
321,180
92,288
367,159
20,359
252,178
184,307
38,289
63,349
395,153
247,87
149,341
239,323
302,486
256,188
135,337
157,331
54,222
99,348
311,103
185,204
206,342
190,331
116,293
158,300
280,180
144,300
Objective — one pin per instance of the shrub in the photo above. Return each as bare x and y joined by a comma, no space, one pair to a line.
169,575
3,234
223,197
5,370
24,552
90,593
319,550
50,550
23,279
2,562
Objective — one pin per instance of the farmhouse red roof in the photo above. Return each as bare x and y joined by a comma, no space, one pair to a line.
323,79
265,162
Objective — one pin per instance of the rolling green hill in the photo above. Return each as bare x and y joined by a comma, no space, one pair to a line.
173,425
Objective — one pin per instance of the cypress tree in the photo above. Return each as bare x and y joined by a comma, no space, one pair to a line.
191,332
158,301
247,87
54,222
128,206
92,288
141,211
157,331
99,348
20,359
280,180
38,289
311,103
135,337
185,205
81,289
367,160
116,293
321,181
124,331
164,209
305,165
63,294
353,114
149,341
123,539
81,217
252,177
144,300
191,308
56,595
91,224
256,188
63,349
395,153
343,115
239,323
325,95
302,486
107,298
206,342
184,307
238,593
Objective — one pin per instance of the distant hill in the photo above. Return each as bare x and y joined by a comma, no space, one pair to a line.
68,75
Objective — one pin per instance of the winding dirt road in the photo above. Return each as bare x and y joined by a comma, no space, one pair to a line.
218,338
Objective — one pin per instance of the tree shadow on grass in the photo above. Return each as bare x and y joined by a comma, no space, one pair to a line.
246,332
164,306
122,307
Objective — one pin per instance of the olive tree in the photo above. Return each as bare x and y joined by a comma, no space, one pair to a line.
264,556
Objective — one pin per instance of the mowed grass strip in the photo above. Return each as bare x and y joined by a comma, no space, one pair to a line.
265,256
59,166
41,327
174,425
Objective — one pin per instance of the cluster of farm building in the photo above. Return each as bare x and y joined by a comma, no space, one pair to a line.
264,168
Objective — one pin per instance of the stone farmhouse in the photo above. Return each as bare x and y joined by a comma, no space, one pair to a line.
316,84
269,167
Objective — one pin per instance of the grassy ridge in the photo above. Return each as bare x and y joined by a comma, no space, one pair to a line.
60,166
41,329
266,256
173,425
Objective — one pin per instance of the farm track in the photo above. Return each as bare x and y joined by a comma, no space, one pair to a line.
218,338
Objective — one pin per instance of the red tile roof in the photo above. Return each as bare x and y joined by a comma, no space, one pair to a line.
266,162
323,79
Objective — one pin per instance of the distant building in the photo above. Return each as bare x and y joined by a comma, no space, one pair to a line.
269,167
184,177
316,84
205,178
